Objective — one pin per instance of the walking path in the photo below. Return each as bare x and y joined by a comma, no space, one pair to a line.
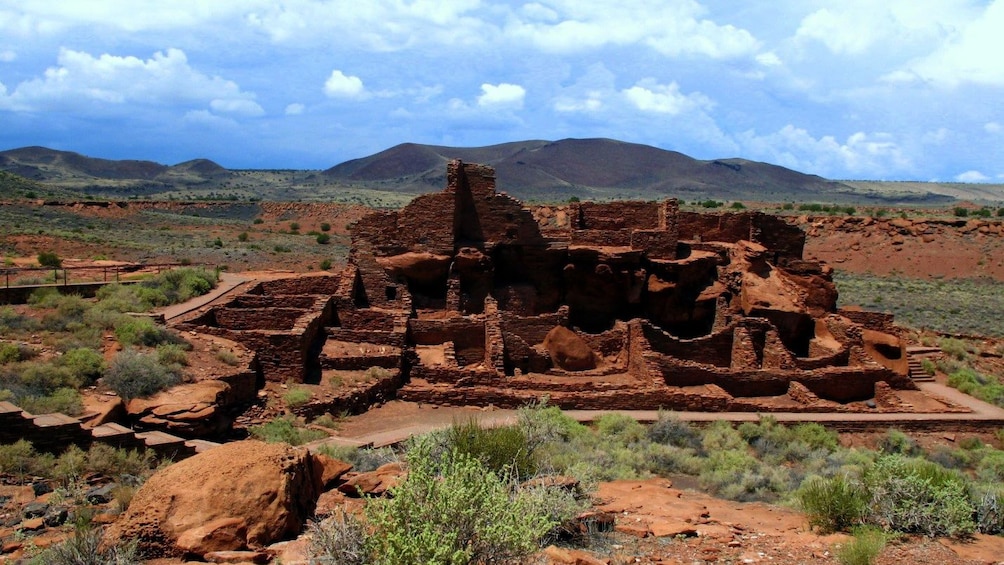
228,282
397,421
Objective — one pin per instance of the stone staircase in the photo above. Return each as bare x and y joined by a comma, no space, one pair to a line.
914,356
55,432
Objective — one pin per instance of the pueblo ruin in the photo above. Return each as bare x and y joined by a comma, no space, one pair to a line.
468,297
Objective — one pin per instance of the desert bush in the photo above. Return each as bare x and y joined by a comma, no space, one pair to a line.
918,496
285,430
960,212
832,505
990,468
133,375
542,424
361,459
49,259
84,363
896,442
325,226
115,462
228,357
985,387
668,459
86,548
172,354
866,545
323,238
326,421
42,378
504,451
929,367
325,264
9,353
64,400
669,429
453,511
955,348
21,460
11,321
624,428
143,331
242,237
339,539
989,504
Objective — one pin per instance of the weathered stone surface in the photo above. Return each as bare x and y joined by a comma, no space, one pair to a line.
223,534
374,483
189,410
568,350
271,488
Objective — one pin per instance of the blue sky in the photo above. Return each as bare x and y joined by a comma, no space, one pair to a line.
897,89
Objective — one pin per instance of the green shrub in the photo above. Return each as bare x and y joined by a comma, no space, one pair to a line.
285,430
985,387
49,259
325,264
135,375
64,400
172,354
228,357
917,496
242,237
866,545
622,427
323,238
296,397
11,321
325,226
504,451
9,353
453,511
990,468
258,221
929,367
143,331
21,460
896,442
955,348
84,363
114,462
960,212
832,505
738,206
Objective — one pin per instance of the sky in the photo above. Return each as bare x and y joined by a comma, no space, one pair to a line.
855,89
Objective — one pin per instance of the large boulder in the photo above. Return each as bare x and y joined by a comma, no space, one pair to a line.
420,266
569,351
240,495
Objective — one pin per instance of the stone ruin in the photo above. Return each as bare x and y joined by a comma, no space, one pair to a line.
469,300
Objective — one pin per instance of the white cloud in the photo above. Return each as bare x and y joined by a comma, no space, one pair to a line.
105,81
592,102
295,109
650,96
670,27
869,155
769,59
237,107
971,55
340,85
972,176
854,27
7,56
992,127
502,95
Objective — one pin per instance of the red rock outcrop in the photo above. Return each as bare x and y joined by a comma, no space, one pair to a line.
240,495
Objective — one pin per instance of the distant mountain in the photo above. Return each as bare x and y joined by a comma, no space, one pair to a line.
589,168
50,165
531,170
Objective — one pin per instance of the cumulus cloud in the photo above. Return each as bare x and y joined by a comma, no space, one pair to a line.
295,109
649,96
165,79
869,155
502,95
969,56
972,176
854,27
672,28
340,85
